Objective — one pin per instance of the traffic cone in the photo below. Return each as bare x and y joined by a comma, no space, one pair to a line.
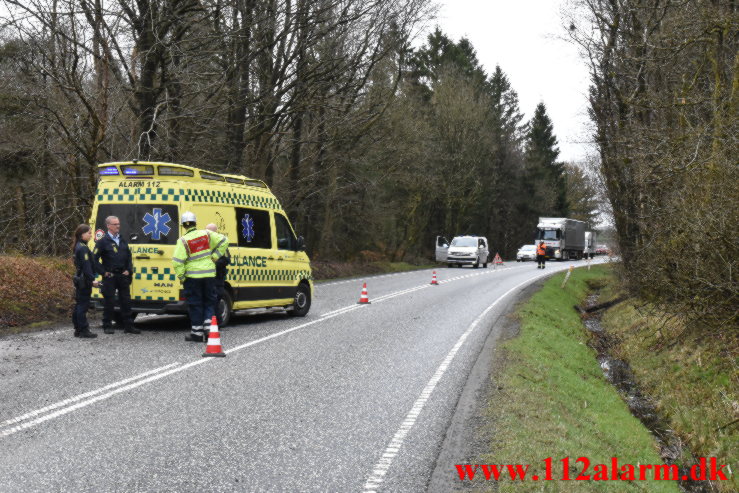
433,280
214,341
363,298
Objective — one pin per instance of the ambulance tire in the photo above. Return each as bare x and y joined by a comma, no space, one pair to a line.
302,301
225,309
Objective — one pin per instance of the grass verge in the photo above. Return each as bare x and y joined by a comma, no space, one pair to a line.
553,400
692,377
34,290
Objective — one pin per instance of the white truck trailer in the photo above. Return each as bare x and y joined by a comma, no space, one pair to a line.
563,237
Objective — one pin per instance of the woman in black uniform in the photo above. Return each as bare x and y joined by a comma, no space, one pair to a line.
84,280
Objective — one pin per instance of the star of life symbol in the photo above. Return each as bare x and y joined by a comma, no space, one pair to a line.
156,223
248,232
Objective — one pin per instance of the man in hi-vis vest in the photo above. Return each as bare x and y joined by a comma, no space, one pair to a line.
194,263
541,252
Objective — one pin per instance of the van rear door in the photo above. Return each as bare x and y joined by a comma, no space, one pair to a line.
442,249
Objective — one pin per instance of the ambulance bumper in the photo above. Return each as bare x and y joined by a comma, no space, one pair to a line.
148,306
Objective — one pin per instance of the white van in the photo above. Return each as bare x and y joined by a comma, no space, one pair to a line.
463,250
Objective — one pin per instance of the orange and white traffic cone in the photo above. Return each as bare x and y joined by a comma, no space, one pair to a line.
214,341
433,279
363,298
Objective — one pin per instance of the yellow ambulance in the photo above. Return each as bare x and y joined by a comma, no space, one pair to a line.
269,267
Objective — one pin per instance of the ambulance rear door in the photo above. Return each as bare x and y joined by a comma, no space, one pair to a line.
151,229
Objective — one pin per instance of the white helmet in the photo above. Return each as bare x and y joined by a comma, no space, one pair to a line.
187,217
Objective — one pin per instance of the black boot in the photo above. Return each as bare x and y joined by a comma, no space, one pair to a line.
131,330
86,334
195,335
108,329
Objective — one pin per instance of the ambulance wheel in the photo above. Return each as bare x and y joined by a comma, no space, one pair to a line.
476,264
302,301
224,309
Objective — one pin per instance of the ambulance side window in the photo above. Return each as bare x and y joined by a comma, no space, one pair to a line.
285,238
253,228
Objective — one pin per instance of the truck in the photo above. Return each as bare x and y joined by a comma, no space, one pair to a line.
564,238
590,237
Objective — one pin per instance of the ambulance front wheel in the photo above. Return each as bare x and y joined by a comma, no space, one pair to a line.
302,301
224,308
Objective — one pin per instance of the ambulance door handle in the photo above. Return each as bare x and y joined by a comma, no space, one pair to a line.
270,258
280,258
142,256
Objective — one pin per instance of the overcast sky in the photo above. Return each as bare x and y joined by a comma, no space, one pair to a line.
523,37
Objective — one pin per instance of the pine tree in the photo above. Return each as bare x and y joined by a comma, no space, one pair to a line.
546,180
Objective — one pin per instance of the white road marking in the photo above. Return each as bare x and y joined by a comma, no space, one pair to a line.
167,370
391,451
84,403
80,397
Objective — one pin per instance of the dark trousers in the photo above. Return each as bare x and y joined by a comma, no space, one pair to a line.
82,303
541,259
121,284
220,289
200,294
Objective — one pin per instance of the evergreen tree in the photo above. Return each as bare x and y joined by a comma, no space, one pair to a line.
503,178
442,53
545,175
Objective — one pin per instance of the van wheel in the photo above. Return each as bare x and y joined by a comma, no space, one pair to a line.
302,301
225,305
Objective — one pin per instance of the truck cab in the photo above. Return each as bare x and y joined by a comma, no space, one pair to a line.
564,238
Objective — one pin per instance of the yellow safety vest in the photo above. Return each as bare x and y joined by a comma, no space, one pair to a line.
196,252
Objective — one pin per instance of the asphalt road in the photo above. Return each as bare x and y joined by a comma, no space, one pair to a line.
350,398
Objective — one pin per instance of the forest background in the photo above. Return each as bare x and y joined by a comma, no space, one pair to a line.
373,145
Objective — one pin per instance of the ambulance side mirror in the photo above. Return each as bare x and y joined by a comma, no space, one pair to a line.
301,243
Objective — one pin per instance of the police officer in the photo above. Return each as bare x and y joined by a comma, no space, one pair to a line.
541,252
194,263
221,271
113,260
84,281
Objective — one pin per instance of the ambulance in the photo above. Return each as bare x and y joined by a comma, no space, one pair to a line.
269,267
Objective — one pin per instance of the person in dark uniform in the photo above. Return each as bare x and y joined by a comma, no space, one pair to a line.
84,281
221,271
113,260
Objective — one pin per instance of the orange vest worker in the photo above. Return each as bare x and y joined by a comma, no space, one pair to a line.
541,249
